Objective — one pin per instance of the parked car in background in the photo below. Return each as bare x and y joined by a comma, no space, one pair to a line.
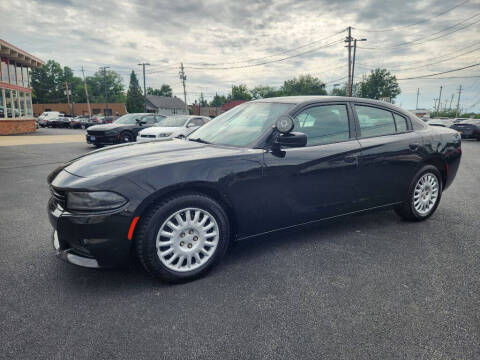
173,126
122,130
457,120
65,122
43,119
263,166
58,122
445,122
79,122
468,129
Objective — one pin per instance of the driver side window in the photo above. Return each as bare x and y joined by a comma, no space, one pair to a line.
149,119
323,124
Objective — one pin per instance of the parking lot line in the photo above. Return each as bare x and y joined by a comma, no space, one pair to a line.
42,139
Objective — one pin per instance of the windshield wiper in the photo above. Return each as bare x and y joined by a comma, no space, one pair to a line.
199,140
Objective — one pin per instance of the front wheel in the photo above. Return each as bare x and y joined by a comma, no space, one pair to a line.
424,195
183,237
126,137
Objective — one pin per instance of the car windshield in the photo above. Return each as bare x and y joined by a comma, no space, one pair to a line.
128,119
242,125
173,121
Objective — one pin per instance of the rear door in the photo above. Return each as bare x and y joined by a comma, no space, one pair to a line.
391,153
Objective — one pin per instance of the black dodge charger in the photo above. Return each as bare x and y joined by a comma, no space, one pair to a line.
263,166
122,130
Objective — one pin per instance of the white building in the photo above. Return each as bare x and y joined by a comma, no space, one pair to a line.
165,105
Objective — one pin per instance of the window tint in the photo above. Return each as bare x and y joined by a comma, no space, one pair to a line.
374,121
196,122
158,118
401,123
323,124
149,119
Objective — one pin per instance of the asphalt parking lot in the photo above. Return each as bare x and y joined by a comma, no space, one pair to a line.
364,287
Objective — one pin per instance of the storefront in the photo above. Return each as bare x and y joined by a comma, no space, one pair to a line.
16,111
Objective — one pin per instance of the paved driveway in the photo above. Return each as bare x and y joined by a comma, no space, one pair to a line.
364,287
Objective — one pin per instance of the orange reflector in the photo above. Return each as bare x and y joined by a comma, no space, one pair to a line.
132,227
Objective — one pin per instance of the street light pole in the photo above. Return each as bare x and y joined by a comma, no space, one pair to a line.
144,87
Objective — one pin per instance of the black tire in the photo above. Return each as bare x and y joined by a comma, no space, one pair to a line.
151,222
407,209
181,137
98,146
126,137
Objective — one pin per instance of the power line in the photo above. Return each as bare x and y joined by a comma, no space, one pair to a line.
416,41
265,62
269,56
418,22
440,73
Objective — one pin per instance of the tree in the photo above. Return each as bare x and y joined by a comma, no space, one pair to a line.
202,101
135,100
304,85
48,83
112,81
165,90
339,91
218,100
264,91
379,84
239,92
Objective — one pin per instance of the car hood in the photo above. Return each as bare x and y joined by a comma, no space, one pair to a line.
126,158
106,127
155,130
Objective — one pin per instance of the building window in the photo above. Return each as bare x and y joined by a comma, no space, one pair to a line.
21,100
28,100
18,69
25,76
2,104
8,102
15,105
11,72
4,70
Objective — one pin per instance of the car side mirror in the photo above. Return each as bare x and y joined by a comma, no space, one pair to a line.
292,139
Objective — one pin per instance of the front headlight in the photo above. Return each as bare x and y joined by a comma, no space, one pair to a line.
94,201
165,134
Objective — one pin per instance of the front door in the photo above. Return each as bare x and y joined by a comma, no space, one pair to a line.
317,181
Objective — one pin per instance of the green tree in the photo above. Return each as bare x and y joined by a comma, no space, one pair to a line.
202,101
339,91
239,92
264,91
304,85
379,84
48,83
135,100
165,90
218,100
113,84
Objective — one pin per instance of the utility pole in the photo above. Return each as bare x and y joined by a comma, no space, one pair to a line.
439,99
348,40
435,104
104,68
144,88
418,94
86,94
183,77
458,101
451,101
67,93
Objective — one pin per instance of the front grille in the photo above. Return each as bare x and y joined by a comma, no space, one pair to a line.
93,132
148,136
59,196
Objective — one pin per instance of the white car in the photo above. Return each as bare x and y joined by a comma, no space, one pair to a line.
179,126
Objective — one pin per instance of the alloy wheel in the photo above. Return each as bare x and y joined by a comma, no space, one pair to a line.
425,195
187,239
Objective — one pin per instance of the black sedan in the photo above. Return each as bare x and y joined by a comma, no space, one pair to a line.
122,130
469,129
261,167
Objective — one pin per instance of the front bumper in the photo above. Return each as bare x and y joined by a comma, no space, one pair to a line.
90,240
101,139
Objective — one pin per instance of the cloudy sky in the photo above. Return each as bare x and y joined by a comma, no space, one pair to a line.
223,42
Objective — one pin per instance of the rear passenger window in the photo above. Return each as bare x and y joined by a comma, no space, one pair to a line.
323,124
374,121
401,123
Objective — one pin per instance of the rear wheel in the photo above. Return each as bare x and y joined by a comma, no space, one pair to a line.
424,195
182,237
126,137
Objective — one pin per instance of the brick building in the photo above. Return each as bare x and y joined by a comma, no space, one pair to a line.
16,111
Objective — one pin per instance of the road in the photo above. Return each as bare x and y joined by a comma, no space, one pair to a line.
364,287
